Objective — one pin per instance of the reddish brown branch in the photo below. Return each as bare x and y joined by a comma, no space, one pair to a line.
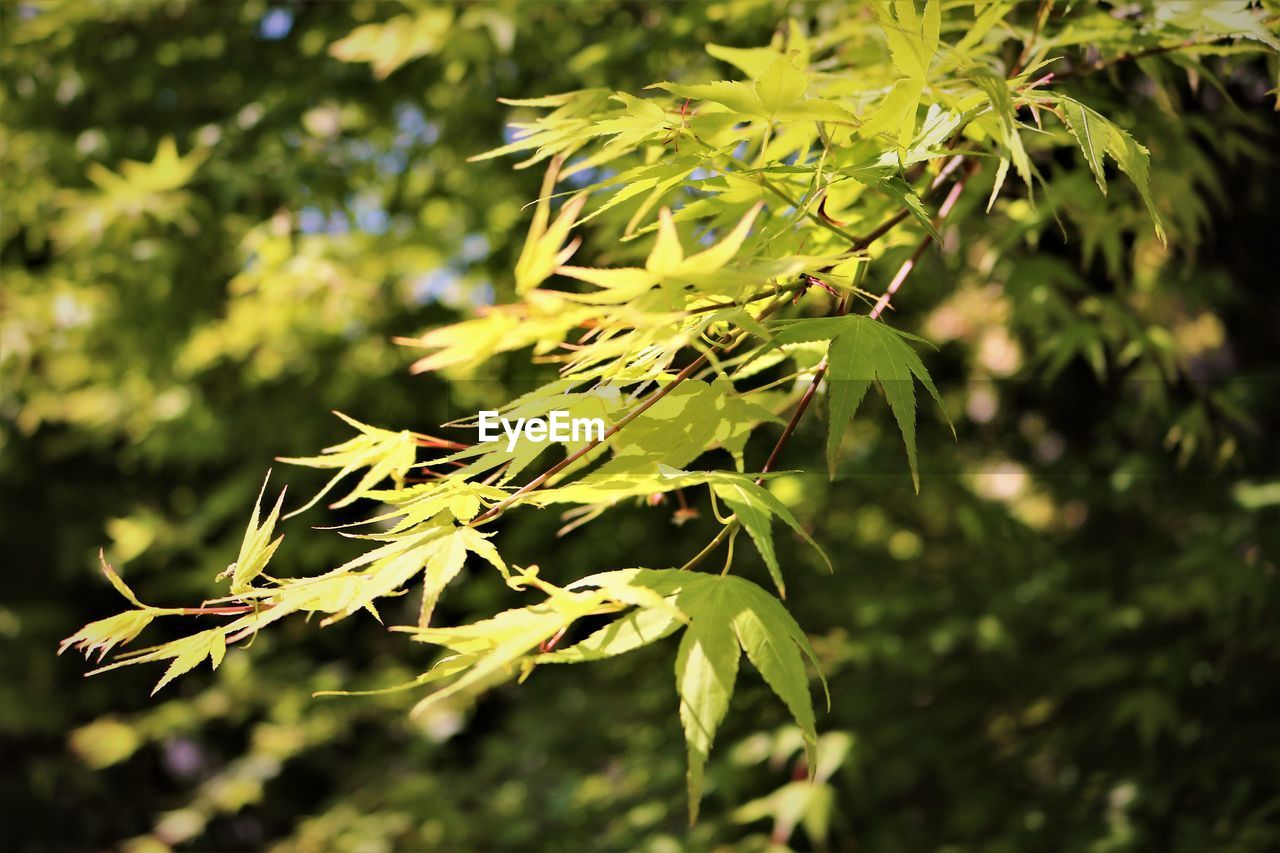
888,225
1046,7
908,265
229,610
1101,64
795,419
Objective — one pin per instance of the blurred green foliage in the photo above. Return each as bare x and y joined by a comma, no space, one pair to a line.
216,216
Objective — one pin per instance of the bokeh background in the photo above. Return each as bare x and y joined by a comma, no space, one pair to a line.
217,214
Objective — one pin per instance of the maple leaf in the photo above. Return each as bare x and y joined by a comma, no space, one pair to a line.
863,351
726,617
1097,137
257,547
668,265
385,453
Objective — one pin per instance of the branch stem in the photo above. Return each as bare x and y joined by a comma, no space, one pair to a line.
1101,64
230,610
908,265
711,546
1046,8
888,225
795,419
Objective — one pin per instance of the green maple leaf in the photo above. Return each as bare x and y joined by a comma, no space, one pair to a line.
257,547
185,654
726,616
756,507
493,649
912,38
1098,137
863,351
385,453
437,547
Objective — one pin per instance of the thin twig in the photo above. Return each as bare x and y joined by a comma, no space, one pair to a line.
795,203
1101,64
776,291
230,610
712,545
795,419
909,264
1046,7
888,225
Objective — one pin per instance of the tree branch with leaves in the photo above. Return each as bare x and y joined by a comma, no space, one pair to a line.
798,182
